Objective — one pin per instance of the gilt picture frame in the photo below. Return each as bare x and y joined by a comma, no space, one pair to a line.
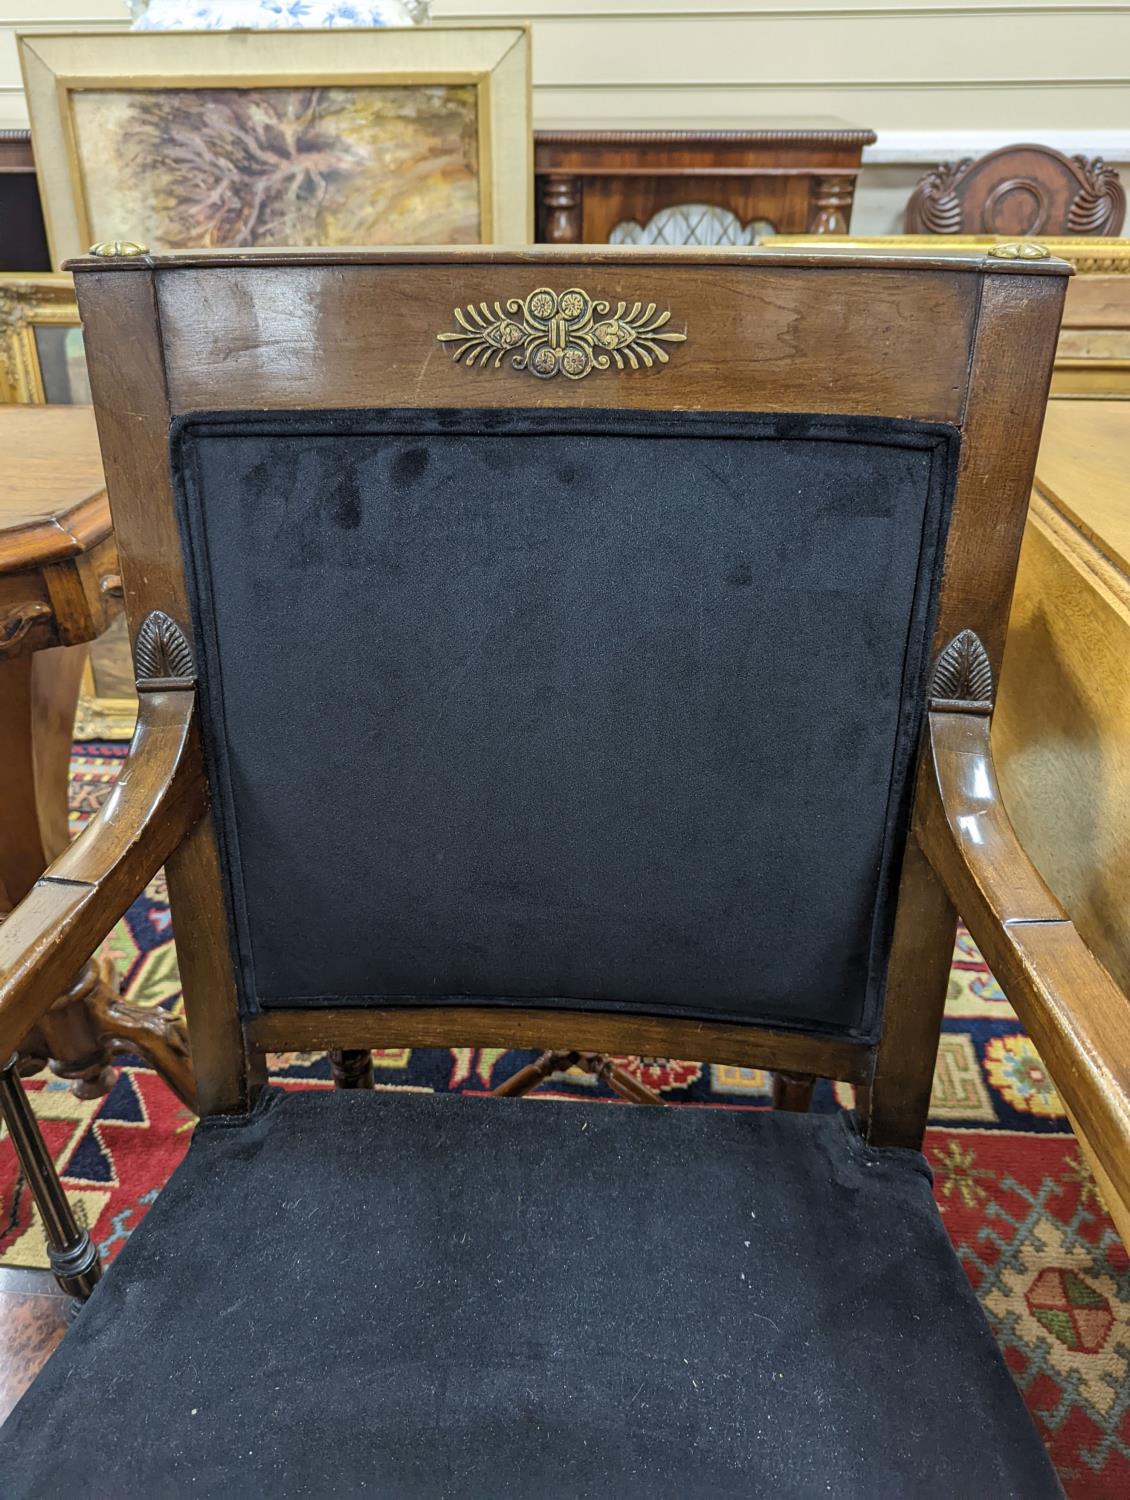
223,139
1092,358
41,355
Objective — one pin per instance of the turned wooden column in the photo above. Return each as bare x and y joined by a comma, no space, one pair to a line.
58,567
561,198
831,205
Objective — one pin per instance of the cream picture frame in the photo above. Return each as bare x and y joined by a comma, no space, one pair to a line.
67,75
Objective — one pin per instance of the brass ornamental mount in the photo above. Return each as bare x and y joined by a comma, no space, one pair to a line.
1019,250
561,333
118,247
963,677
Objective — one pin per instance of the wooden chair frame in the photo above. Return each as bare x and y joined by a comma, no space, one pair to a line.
988,323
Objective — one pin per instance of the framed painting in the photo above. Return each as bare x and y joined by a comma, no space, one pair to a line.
222,139
41,356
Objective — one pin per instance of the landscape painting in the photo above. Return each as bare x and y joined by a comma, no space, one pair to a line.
195,168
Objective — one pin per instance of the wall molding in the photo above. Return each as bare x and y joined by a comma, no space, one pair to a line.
900,9
817,85
928,146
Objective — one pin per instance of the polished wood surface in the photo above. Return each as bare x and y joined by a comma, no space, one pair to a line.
1018,191
1093,357
965,339
1068,1003
601,1031
1083,472
795,174
158,797
52,494
753,342
125,357
1062,727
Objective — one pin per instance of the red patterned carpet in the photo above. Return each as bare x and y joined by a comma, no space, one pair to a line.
1020,1205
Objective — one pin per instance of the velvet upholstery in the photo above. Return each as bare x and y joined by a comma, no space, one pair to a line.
594,708
436,1296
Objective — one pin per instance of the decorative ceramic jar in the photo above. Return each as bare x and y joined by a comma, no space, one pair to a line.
230,15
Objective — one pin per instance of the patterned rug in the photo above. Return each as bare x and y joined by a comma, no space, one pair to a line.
1014,1191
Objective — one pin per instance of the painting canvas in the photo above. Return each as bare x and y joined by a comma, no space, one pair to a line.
229,140
226,167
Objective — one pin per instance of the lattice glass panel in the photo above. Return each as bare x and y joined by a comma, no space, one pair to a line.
690,224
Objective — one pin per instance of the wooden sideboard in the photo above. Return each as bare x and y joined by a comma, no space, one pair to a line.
796,175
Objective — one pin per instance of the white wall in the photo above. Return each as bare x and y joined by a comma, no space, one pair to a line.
935,78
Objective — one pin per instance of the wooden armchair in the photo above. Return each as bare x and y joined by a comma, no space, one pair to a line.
654,601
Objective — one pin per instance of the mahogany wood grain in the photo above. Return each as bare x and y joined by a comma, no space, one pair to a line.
158,797
1022,190
753,342
590,181
1017,322
126,366
917,983
557,1030
1067,1002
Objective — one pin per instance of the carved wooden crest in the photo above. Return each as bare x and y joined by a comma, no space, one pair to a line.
1101,205
561,333
963,677
162,656
1018,190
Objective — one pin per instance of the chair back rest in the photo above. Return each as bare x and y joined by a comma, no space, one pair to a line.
562,623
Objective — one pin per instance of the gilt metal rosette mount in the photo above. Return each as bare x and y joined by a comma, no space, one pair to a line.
562,333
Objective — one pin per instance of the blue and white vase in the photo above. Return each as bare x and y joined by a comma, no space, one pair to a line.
262,15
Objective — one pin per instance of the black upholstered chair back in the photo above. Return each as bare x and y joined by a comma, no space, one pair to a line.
596,709
559,623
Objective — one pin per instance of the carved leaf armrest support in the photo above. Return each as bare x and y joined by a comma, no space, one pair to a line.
158,798
1074,1012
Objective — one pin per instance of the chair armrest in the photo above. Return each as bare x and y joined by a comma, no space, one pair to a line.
1074,1012
160,794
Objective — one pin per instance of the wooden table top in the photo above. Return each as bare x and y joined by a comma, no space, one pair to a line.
52,494
1083,471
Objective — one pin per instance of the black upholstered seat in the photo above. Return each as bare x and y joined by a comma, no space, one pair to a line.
352,1293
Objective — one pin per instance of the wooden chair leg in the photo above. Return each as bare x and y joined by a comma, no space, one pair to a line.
352,1068
150,1033
532,1074
793,1091
72,1253
596,1063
